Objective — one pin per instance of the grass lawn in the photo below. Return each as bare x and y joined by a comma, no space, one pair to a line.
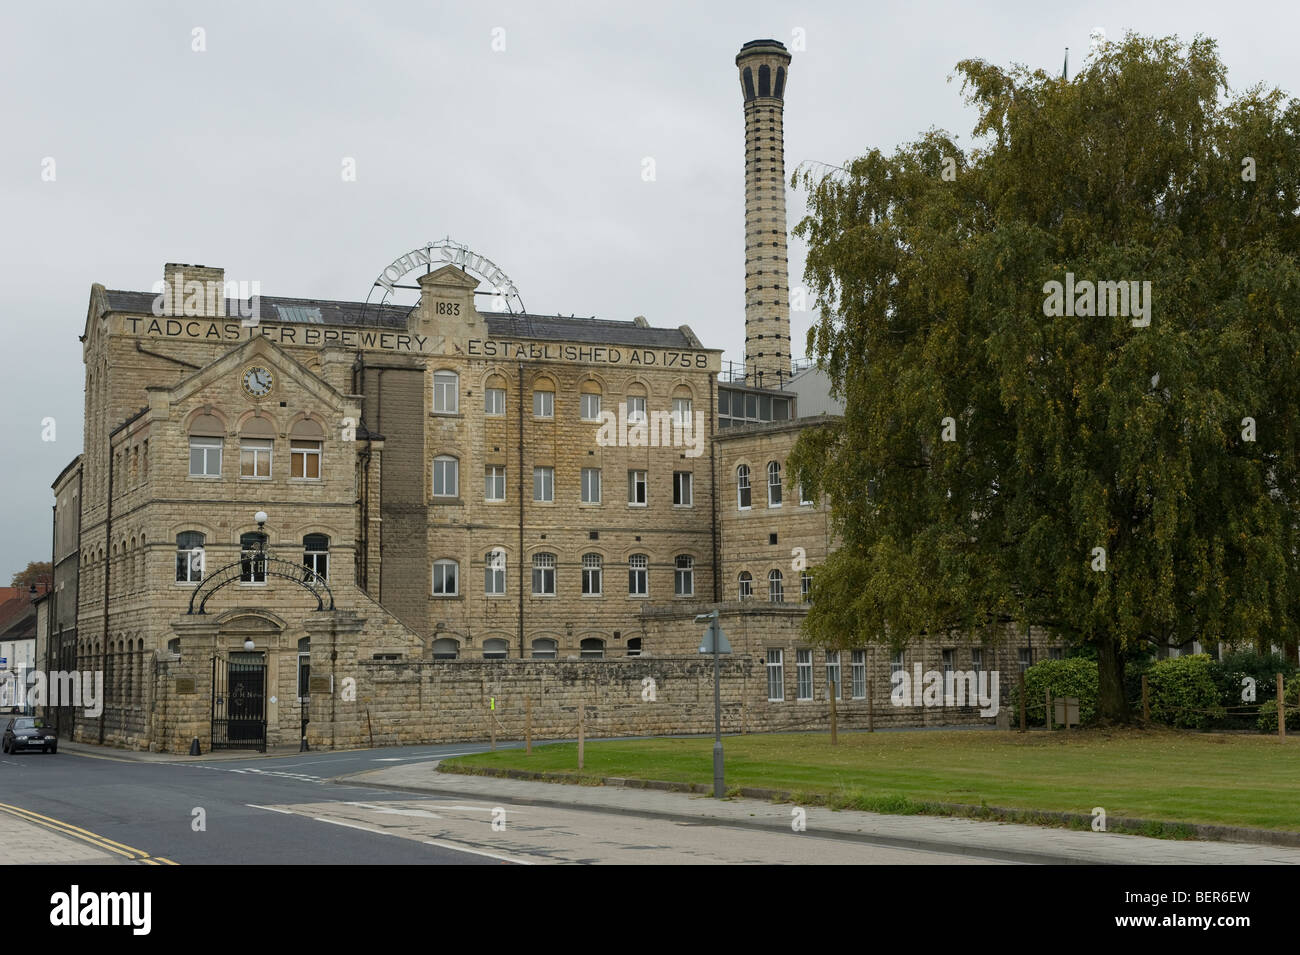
1165,775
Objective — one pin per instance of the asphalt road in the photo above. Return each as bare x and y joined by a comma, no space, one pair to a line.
285,811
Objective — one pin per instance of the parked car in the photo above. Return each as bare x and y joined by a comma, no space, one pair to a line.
29,732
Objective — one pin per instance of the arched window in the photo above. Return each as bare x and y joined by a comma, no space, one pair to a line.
545,648
494,397
446,574
446,392
592,648
749,84
773,484
746,585
495,649
591,575
256,442
684,576
306,440
252,558
589,407
543,575
636,404
805,586
189,557
743,500
206,437
780,82
446,648
764,81
316,553
775,587
634,646
446,476
494,572
638,575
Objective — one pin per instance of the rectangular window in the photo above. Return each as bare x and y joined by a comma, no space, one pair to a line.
591,485
896,663
543,404
445,573
636,488
803,674
682,412
977,660
683,492
494,573
1055,653
635,408
1026,658
494,402
775,676
318,561
589,407
743,498
833,684
859,667
494,483
804,499
304,460
445,388
446,477
684,576
805,586
949,661
205,457
544,575
255,458
591,575
544,484
638,584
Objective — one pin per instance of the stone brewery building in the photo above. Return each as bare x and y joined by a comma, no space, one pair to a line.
381,523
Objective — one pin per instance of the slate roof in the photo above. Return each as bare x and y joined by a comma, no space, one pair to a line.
557,328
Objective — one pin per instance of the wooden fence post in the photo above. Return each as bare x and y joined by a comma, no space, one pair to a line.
834,690
1281,709
582,726
871,723
1024,716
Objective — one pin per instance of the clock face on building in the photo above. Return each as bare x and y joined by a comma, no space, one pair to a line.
257,381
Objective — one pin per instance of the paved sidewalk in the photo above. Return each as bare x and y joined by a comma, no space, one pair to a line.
29,843
1006,841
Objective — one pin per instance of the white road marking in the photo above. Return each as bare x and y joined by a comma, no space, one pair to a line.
423,813
270,809
477,852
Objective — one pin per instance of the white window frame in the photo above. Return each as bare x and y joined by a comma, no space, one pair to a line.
684,576
544,564
775,587
494,402
834,673
494,475
775,674
896,663
306,453
313,558
804,502
745,586
773,484
546,475
636,408
683,480
207,445
805,587
494,573
257,447
803,675
591,654
450,467
593,575
858,674
585,411
548,654
682,412
638,571
441,564
446,392
743,488
590,486
638,479
543,403
193,569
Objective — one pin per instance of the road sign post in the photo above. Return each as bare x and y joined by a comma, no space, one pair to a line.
715,642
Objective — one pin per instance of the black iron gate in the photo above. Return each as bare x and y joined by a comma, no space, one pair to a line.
239,702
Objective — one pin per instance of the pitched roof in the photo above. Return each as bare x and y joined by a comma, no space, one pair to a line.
500,324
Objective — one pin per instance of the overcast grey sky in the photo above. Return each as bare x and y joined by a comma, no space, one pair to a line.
531,155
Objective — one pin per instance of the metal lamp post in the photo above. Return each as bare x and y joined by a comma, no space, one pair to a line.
715,642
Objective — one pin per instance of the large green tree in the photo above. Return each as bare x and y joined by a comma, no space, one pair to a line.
1070,432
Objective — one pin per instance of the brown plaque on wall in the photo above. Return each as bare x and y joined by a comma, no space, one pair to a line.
185,686
319,684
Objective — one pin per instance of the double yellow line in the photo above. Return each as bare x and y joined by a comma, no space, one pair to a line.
138,856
